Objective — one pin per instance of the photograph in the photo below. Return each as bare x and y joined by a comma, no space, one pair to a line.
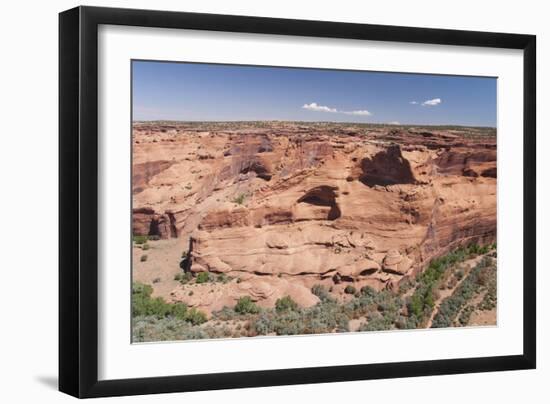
277,201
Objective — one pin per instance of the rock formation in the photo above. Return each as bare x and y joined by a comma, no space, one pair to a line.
285,206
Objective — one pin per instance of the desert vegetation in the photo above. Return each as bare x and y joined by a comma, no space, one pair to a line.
147,310
408,307
457,309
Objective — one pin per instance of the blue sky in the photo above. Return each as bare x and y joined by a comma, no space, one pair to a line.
208,92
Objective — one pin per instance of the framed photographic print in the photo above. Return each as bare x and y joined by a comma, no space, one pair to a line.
251,201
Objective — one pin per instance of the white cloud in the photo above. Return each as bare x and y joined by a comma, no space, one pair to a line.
316,107
432,103
358,112
413,102
394,123
323,108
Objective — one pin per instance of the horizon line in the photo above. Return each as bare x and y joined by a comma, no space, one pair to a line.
302,121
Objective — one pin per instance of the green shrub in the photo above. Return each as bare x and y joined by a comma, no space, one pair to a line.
285,304
263,324
406,285
416,305
223,278
239,199
476,249
486,262
321,292
376,324
202,277
368,291
141,289
225,314
245,305
154,237
288,323
405,323
145,247
143,258
326,316
151,329
195,317
140,239
465,315
350,290
179,310
489,301
144,305
387,302
183,277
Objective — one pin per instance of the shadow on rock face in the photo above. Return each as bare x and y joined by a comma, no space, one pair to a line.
387,167
323,195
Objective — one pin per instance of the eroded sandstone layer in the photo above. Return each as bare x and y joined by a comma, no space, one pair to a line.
284,206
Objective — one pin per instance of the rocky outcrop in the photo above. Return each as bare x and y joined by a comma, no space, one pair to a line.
395,263
146,222
143,172
467,162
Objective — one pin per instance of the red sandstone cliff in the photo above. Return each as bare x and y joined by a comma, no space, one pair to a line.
286,206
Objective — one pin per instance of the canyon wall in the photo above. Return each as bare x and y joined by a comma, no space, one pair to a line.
287,206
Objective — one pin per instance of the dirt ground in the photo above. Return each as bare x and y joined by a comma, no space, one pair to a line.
161,265
487,317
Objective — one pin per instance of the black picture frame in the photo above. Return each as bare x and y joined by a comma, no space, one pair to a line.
78,201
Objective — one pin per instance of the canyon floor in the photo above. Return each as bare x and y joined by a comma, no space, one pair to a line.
276,228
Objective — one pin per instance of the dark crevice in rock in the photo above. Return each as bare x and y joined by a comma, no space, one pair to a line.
154,229
368,271
187,259
173,228
260,169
